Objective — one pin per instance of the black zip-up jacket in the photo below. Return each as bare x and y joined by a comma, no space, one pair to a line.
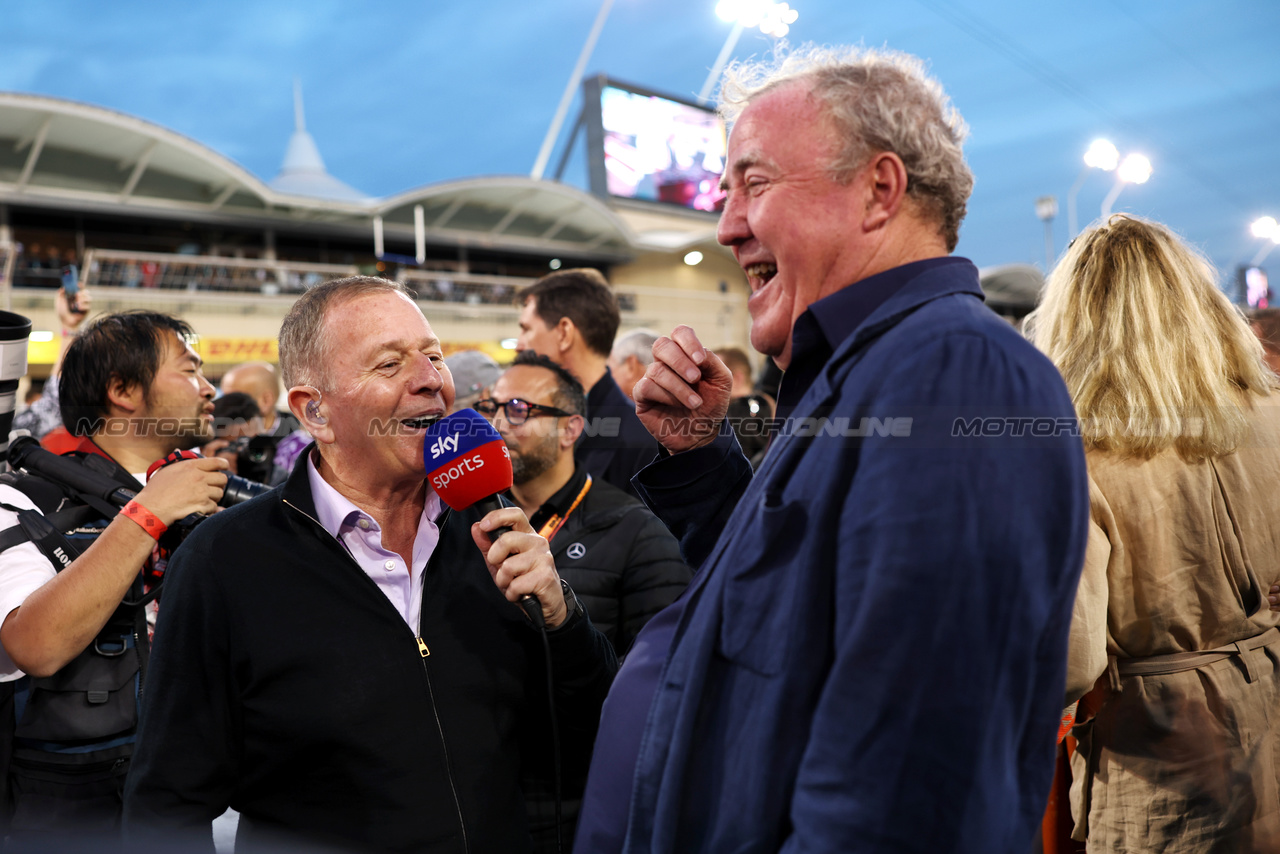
284,684
620,559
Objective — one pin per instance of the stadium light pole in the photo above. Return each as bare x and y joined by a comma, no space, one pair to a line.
1101,155
773,19
1046,210
544,153
1265,228
1135,169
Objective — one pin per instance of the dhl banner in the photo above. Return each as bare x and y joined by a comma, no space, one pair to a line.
42,352
225,351
234,350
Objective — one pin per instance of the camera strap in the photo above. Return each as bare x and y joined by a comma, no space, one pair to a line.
63,520
41,531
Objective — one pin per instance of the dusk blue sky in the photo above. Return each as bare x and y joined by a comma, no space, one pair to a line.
402,94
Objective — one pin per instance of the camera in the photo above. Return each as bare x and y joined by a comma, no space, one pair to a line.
255,457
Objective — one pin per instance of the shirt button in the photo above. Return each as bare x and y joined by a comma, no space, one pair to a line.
391,564
363,524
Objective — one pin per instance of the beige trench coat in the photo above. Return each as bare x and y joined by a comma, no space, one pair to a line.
1183,753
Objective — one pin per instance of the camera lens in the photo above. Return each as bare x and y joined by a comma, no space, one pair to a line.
14,332
238,490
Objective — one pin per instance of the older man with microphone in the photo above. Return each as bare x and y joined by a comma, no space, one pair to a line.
343,660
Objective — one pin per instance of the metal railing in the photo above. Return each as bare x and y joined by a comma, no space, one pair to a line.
123,269
467,288
116,268
476,289
466,306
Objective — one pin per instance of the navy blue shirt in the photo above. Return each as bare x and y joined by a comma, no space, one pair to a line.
832,319
603,822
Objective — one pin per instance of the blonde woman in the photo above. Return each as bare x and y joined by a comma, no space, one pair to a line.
1173,639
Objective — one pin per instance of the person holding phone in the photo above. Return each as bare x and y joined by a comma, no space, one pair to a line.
44,416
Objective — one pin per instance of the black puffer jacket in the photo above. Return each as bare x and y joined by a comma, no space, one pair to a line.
620,560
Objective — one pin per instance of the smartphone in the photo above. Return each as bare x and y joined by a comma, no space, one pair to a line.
71,287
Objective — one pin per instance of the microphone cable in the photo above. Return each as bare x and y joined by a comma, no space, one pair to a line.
532,608
530,603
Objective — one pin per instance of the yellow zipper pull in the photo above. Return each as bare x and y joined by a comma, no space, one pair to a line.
422,648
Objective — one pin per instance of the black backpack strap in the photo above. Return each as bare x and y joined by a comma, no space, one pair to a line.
11,537
46,530
48,539
63,520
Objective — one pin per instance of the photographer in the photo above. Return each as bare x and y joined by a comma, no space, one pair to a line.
131,391
237,423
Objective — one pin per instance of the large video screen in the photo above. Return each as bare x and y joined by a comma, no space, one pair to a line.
658,149
1256,291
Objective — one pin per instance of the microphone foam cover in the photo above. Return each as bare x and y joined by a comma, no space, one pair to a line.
465,458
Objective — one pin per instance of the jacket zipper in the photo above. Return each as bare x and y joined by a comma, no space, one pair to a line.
423,652
448,763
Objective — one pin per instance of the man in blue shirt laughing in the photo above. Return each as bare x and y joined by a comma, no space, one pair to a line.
871,656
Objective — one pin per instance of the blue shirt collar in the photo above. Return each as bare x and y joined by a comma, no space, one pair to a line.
829,321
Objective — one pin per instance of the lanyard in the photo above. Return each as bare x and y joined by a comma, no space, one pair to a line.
556,522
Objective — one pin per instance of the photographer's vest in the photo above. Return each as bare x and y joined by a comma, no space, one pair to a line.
70,736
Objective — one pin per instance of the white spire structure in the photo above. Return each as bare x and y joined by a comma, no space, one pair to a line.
303,172
299,117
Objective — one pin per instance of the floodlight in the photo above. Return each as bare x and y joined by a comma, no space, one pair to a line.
1102,155
1266,227
1135,169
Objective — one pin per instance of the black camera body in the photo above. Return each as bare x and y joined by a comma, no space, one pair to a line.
255,456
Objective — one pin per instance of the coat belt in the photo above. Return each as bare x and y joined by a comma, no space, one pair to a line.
1154,665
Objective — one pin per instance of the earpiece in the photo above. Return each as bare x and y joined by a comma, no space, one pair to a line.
313,412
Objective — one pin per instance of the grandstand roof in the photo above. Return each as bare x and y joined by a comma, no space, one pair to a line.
64,149
513,210
67,154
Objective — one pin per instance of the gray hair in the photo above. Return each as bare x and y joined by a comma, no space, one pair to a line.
638,343
305,349
877,100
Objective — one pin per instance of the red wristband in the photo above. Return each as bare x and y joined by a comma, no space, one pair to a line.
146,520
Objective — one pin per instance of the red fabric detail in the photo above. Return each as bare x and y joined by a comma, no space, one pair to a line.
59,441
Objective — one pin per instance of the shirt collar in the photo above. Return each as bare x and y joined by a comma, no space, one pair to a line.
839,314
828,321
337,514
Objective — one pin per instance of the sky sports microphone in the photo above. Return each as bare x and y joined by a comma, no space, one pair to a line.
468,465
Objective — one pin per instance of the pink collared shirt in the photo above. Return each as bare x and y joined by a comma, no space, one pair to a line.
362,536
